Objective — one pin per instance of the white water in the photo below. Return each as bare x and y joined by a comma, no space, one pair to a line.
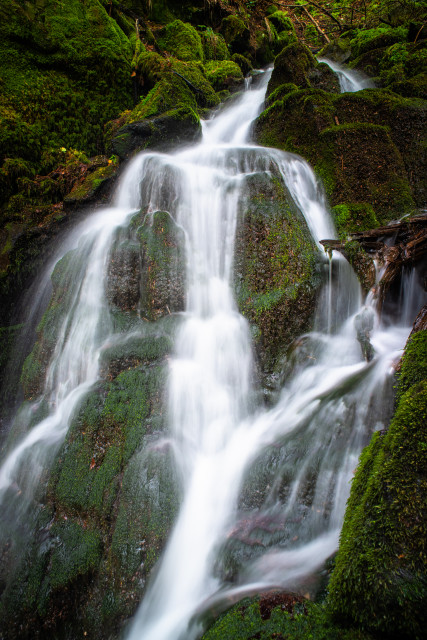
324,413
350,80
330,402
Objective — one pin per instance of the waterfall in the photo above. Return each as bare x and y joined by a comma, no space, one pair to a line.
329,405
350,80
223,438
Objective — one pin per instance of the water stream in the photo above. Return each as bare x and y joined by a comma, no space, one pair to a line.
350,80
224,439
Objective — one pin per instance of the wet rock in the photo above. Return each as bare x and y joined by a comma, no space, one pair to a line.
124,269
364,323
163,132
292,65
275,268
163,266
96,187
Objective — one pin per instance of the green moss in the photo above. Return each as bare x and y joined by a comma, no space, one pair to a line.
214,46
223,74
275,268
280,92
91,184
379,582
77,553
362,178
234,31
275,615
163,278
281,21
414,364
35,365
351,218
151,66
66,67
181,40
382,36
169,92
292,65
243,62
147,507
133,397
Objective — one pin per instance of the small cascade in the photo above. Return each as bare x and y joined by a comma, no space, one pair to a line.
350,80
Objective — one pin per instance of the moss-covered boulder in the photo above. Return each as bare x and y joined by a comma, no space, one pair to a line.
236,34
292,66
181,40
406,120
379,582
163,268
279,615
95,187
110,503
366,167
275,268
214,46
362,145
224,74
173,128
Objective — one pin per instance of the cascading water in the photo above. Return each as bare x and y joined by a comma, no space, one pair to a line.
350,80
222,437
219,437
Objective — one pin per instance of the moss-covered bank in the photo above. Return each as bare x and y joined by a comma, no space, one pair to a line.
380,577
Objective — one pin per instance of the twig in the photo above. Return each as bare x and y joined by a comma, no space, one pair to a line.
319,29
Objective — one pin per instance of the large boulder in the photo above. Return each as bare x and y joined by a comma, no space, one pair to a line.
275,268
171,129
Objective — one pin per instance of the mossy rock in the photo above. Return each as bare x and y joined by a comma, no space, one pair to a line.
368,168
171,129
235,33
413,87
76,553
224,74
275,268
281,21
278,614
94,186
148,505
406,119
351,218
66,68
244,63
151,66
322,77
124,273
280,92
129,352
292,65
163,266
379,582
293,122
358,158
362,263
35,365
214,46
377,38
181,40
